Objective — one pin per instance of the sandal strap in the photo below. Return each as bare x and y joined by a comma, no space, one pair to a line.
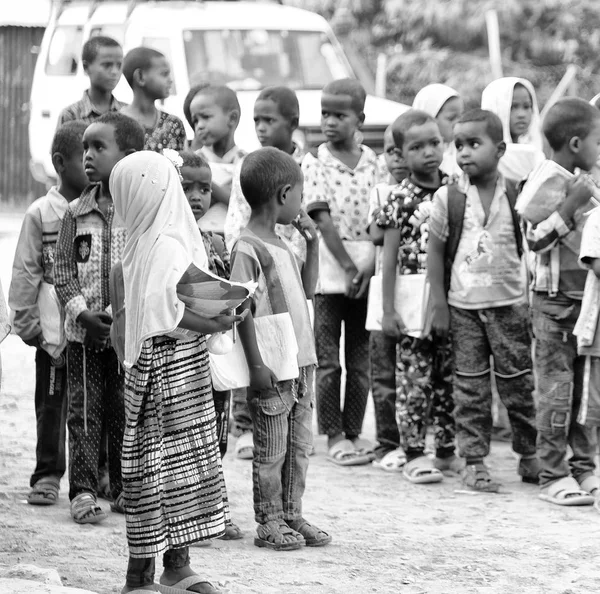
83,504
274,528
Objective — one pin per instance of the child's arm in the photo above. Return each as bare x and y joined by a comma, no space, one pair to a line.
97,324
27,275
594,265
193,321
546,234
391,323
310,270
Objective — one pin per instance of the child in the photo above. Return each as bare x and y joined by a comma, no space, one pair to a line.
336,191
281,411
514,101
389,455
445,105
477,290
423,365
572,128
90,241
196,183
32,266
196,144
149,75
276,115
171,465
102,59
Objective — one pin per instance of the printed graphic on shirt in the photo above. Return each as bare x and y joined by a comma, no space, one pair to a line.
83,248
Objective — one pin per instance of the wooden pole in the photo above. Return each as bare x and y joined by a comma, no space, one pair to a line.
493,34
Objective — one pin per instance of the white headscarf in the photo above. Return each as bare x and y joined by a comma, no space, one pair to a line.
431,99
595,171
520,158
162,241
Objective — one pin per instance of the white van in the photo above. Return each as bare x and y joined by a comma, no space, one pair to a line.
246,45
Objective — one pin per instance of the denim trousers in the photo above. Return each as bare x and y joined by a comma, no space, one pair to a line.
559,373
331,312
51,417
382,371
504,334
96,384
282,420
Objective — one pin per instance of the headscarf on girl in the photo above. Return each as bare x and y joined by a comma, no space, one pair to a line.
595,171
522,157
162,241
431,99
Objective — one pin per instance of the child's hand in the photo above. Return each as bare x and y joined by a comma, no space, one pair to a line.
261,377
226,321
440,319
361,280
391,325
579,191
306,227
96,323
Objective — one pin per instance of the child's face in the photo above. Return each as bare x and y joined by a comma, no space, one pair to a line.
73,172
521,112
272,129
477,154
196,186
339,121
211,123
589,148
393,157
423,148
157,79
447,116
291,207
100,152
105,71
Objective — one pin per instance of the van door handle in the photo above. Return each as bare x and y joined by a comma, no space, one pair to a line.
45,114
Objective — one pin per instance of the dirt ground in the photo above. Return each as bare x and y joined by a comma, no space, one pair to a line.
388,536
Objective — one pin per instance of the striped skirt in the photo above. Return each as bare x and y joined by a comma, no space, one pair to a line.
172,476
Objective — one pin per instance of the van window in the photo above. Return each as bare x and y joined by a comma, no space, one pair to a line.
116,32
254,59
64,52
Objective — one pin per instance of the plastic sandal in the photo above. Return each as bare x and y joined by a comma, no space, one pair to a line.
182,586
591,484
45,491
393,461
364,447
343,453
244,447
85,509
313,536
232,532
567,492
271,536
421,471
477,477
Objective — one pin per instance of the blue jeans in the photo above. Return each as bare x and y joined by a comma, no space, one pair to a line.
382,370
559,373
282,420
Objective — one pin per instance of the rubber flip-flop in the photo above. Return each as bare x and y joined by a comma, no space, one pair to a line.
343,453
421,471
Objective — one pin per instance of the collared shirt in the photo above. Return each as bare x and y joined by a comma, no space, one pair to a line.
86,111
331,185
239,211
272,265
34,260
487,270
89,244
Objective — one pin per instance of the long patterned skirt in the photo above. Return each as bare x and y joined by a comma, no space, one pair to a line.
172,476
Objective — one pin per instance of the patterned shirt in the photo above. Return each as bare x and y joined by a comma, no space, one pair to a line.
331,185
274,267
169,133
487,270
408,208
85,111
89,244
34,260
239,211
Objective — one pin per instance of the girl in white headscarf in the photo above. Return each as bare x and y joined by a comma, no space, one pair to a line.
595,171
445,105
514,101
170,459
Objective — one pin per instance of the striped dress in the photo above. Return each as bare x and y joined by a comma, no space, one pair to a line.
172,477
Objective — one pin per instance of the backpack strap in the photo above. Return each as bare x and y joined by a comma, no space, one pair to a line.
512,192
457,202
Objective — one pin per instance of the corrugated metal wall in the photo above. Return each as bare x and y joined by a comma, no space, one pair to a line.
17,62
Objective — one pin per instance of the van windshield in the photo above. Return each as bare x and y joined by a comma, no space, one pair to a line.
254,59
